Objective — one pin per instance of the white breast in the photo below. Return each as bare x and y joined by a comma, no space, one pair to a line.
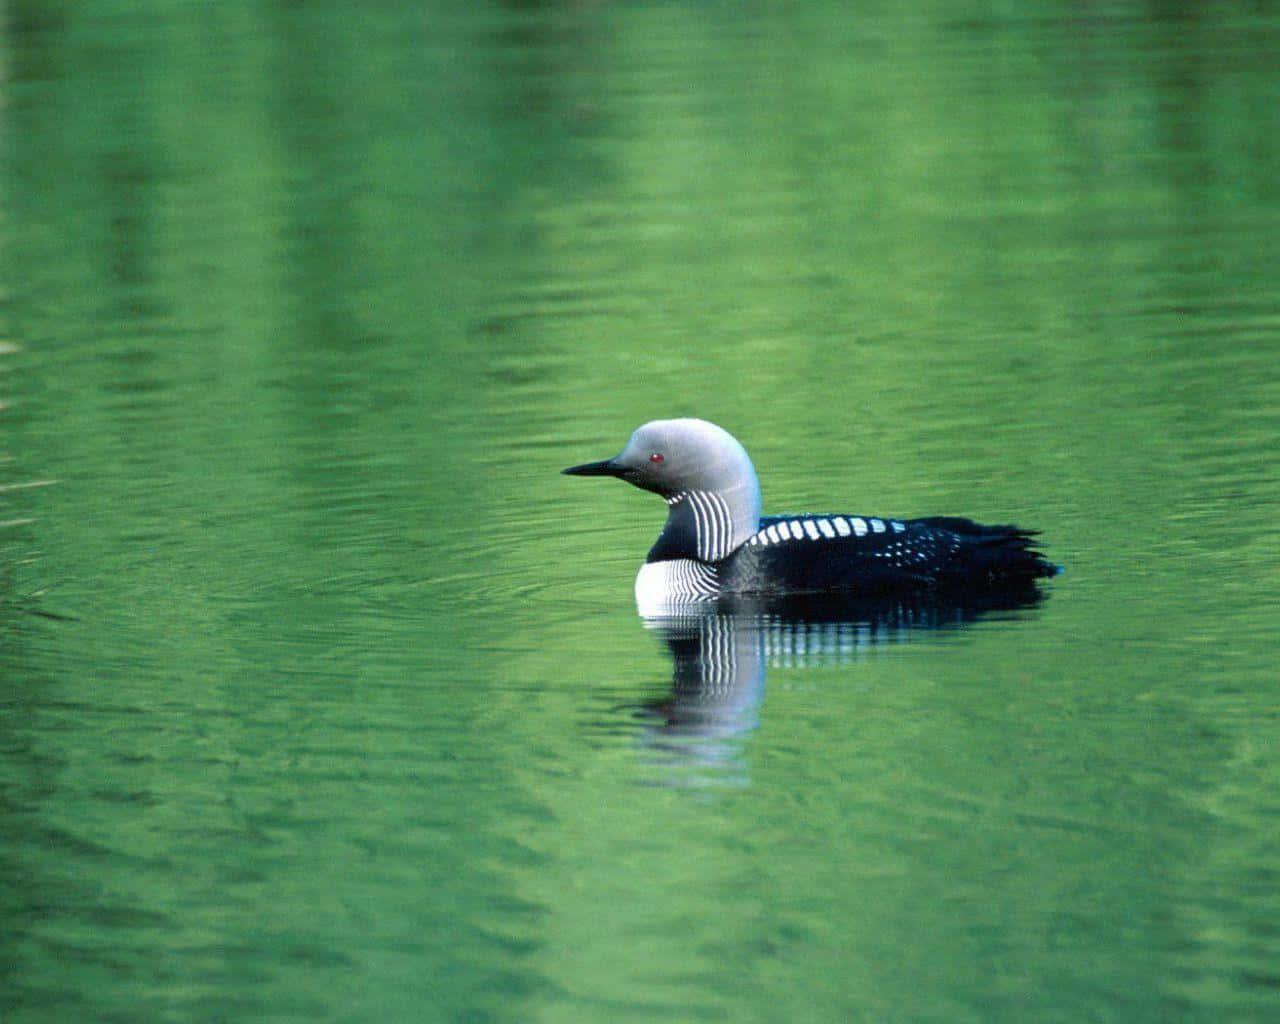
675,580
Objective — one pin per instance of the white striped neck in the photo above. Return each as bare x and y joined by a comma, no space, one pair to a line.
707,525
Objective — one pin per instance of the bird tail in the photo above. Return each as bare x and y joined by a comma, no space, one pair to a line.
997,553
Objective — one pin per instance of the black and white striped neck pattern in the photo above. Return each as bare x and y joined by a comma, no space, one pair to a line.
712,522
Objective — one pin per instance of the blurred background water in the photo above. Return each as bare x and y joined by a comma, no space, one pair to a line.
323,696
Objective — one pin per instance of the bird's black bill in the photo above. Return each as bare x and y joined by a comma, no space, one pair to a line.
606,467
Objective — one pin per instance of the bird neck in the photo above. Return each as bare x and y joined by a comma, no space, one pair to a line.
708,525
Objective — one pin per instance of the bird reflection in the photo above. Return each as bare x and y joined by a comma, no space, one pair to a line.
721,652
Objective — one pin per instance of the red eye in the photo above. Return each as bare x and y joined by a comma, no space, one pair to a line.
656,458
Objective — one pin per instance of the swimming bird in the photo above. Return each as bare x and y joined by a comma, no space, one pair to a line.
716,543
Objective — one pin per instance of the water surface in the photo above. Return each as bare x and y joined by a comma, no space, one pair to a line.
323,694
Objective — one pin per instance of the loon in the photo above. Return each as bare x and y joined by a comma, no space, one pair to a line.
716,543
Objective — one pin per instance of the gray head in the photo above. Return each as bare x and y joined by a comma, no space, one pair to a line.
677,458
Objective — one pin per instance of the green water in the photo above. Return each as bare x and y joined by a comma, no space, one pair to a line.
323,695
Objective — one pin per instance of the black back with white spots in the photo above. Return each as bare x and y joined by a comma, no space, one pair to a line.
795,554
